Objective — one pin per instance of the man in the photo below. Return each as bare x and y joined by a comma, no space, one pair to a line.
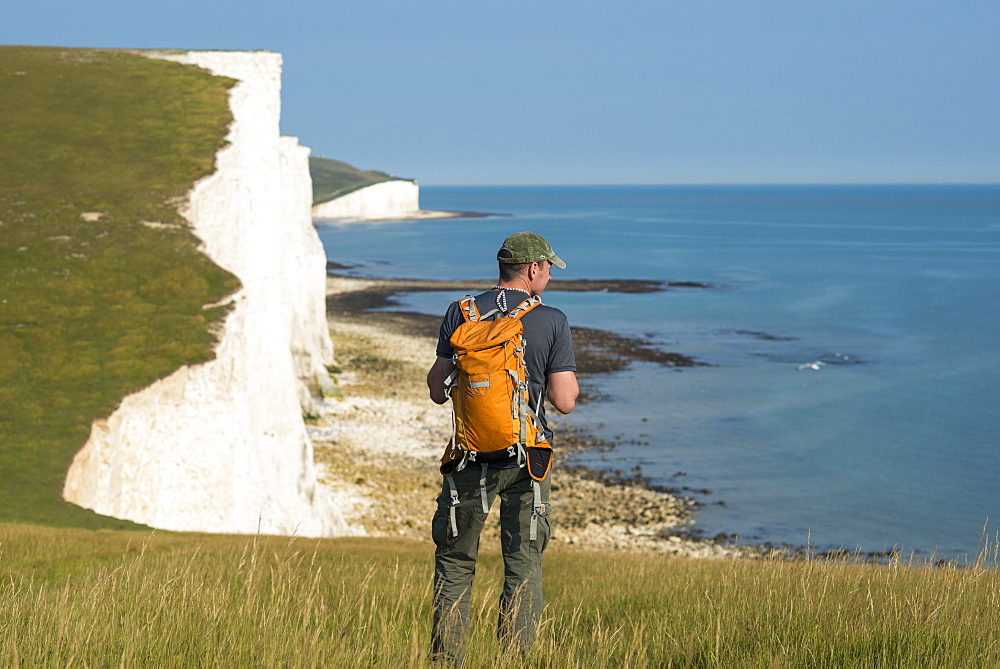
525,262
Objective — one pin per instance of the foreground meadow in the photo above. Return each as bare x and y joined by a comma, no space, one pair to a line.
97,598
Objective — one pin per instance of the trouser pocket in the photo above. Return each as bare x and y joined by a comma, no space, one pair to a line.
444,524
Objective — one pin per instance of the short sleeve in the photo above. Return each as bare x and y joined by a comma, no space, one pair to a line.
452,319
561,356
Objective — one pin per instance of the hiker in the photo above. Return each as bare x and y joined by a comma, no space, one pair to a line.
480,463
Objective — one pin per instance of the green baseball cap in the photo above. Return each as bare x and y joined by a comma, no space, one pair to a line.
526,247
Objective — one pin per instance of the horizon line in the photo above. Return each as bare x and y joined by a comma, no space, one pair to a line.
726,183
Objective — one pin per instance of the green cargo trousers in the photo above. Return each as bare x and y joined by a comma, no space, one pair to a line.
455,557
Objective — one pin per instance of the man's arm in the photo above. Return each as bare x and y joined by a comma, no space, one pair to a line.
439,371
563,389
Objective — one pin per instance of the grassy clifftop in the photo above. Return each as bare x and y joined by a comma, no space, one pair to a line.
332,178
101,284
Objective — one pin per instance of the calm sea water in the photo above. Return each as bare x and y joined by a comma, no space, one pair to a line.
891,442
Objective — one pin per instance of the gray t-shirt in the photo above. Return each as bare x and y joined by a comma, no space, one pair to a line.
548,342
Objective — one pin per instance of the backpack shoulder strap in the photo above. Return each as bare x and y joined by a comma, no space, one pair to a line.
467,305
527,305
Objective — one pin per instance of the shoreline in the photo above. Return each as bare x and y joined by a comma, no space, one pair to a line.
423,214
384,437
597,351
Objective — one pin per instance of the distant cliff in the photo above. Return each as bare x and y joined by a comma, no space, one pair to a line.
333,178
385,200
221,446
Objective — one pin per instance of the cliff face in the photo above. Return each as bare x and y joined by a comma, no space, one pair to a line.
222,447
386,200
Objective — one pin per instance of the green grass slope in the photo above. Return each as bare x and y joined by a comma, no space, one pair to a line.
332,178
94,307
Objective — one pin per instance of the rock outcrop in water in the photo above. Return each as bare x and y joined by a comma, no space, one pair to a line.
222,446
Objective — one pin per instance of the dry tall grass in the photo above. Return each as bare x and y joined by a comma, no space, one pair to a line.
78,597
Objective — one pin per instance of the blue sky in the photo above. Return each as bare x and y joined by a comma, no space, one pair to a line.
553,91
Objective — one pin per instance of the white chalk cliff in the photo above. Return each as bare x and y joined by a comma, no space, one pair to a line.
222,446
385,200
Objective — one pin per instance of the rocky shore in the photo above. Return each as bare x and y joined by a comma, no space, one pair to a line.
383,438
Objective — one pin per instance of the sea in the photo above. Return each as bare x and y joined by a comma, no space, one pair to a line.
850,391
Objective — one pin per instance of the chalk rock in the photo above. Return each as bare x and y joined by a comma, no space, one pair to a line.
222,446
386,200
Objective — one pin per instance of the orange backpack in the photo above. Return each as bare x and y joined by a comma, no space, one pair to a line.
489,393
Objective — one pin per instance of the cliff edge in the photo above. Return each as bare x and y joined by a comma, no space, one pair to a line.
222,446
